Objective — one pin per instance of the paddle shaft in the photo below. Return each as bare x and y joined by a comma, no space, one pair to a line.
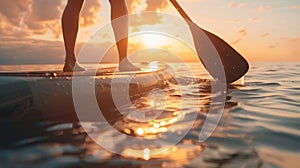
180,10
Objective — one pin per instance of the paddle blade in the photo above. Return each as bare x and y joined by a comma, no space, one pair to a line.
215,53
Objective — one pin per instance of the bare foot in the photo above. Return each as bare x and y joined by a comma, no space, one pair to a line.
71,67
126,65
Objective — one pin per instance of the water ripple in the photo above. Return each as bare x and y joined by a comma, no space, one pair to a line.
259,128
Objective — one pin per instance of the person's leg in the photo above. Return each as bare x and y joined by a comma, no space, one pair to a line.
70,25
120,27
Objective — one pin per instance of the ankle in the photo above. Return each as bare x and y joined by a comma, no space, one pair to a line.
70,61
70,58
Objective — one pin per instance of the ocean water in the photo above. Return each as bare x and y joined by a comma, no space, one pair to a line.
259,127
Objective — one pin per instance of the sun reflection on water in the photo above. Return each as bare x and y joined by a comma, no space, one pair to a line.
164,108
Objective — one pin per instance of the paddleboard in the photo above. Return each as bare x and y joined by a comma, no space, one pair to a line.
48,94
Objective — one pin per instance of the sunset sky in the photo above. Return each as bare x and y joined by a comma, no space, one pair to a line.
260,30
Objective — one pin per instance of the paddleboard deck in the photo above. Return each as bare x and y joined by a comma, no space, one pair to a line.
145,68
50,92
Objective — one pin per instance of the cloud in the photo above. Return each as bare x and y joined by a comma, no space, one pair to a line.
30,51
43,16
243,32
254,19
30,16
22,20
154,5
89,13
34,51
236,5
265,34
12,17
273,45
146,18
8,29
263,8
38,17
13,10
42,10
136,5
147,5
236,41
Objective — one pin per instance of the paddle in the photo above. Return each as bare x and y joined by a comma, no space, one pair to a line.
235,66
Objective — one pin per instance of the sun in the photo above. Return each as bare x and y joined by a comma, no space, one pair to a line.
154,40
